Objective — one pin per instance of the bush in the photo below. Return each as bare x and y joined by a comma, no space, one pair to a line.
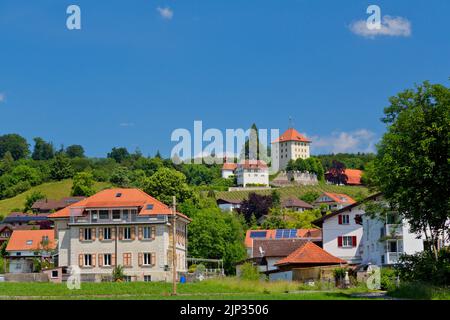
118,274
249,272
388,279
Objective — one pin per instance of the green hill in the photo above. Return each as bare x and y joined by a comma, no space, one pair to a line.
52,190
356,192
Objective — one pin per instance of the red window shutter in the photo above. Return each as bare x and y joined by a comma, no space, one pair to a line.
113,259
140,232
93,233
100,234
339,241
133,232
340,219
153,258
140,259
93,260
80,260
354,241
100,260
153,232
81,234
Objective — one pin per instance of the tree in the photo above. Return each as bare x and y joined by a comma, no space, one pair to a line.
336,174
15,144
276,199
6,163
75,151
412,168
120,177
119,154
83,184
31,199
257,205
42,150
166,183
60,167
310,196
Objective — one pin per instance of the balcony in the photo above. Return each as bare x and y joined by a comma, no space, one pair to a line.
392,257
394,230
88,219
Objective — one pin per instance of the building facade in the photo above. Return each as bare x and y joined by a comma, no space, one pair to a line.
123,227
252,173
291,145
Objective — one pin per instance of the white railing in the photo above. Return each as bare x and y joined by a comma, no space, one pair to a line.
394,230
392,257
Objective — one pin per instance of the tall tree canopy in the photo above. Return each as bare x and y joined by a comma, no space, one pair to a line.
412,168
42,150
256,205
75,151
119,154
15,144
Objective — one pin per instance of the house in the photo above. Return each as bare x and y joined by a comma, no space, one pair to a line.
266,252
21,219
228,169
5,232
252,173
333,201
228,204
124,227
351,177
308,256
293,203
291,145
48,205
26,245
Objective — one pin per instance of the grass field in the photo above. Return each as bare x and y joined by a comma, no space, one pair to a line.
420,291
352,191
52,190
225,289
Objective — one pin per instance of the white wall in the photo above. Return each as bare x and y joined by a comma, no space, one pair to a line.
245,177
227,173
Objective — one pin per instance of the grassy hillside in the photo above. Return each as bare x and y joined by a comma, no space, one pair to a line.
355,192
52,190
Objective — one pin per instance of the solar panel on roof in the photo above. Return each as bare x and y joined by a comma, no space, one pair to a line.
258,234
279,234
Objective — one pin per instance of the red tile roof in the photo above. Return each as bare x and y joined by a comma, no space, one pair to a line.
26,240
270,234
293,202
275,247
340,198
229,166
291,135
109,199
310,253
253,164
353,176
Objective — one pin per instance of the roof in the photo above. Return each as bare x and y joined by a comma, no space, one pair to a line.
295,202
291,135
119,198
48,204
25,240
229,166
233,201
253,164
276,247
24,217
353,176
310,253
339,197
271,234
319,221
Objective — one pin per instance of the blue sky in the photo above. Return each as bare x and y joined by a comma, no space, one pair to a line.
134,73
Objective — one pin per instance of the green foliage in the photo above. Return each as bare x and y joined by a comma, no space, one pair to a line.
302,220
350,160
412,168
15,144
42,150
120,177
249,272
311,165
61,168
339,273
118,274
119,154
83,184
200,174
166,183
420,291
274,220
20,179
31,199
75,151
388,279
310,196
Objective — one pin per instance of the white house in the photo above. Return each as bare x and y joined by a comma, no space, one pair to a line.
333,201
228,204
253,173
228,169
387,238
291,145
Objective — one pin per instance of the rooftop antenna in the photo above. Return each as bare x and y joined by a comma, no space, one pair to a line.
291,123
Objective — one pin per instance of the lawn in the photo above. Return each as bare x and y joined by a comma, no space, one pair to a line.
52,190
225,289
420,291
352,191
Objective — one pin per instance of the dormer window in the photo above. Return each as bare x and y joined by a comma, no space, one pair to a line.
118,194
29,242
149,207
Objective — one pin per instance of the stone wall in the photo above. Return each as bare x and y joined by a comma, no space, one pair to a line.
293,178
26,277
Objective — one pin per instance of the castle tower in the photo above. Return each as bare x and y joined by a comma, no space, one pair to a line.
291,145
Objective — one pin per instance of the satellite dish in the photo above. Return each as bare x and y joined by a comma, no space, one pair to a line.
261,251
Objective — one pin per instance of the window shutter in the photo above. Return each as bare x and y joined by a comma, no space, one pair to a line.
124,257
100,260
80,259
153,259
93,232
153,232
120,233
340,219
93,259
81,234
140,232
354,241
339,242
140,259
113,233
113,259
133,232
100,234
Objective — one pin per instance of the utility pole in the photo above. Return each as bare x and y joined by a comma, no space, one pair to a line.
174,247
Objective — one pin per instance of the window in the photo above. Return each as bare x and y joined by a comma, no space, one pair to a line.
125,214
104,214
347,242
392,246
107,260
107,234
87,260
116,214
345,219
127,278
382,259
94,215
54,273
147,232
29,242
127,233
149,207
147,278
147,259
127,259
87,234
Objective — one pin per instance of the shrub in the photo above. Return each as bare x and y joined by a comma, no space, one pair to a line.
249,272
388,279
118,274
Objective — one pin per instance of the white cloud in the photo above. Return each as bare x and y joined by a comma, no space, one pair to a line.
165,13
361,140
2,97
390,26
